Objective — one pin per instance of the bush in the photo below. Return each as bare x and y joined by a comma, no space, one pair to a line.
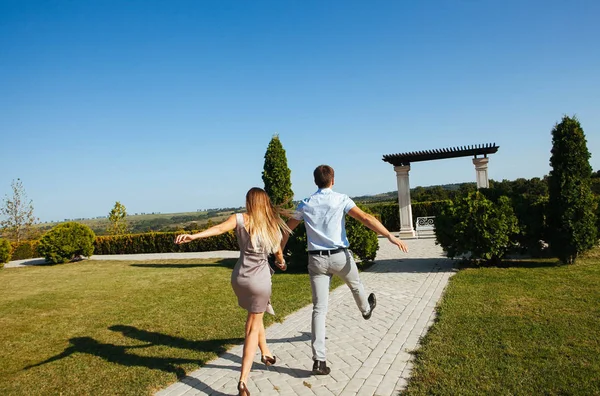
5,249
363,242
530,208
161,242
476,226
297,256
67,241
25,250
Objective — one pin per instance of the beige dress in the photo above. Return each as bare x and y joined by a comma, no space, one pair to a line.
251,276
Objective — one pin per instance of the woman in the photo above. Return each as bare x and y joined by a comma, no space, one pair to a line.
259,233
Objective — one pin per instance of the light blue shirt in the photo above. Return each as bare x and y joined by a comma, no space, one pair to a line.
324,214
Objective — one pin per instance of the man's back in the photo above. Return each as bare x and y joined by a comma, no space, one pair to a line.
324,215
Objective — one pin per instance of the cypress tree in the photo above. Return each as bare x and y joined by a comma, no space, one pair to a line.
571,214
276,174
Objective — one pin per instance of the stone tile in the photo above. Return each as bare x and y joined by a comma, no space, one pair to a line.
366,357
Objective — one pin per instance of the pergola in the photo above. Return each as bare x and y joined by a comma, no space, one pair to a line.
402,163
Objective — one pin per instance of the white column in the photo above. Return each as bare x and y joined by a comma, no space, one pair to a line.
481,170
406,223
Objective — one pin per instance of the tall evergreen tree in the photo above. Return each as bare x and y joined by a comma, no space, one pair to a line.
571,207
276,174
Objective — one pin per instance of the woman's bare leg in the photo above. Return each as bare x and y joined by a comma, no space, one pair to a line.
262,341
253,324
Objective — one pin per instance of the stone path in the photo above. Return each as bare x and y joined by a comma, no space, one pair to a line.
366,357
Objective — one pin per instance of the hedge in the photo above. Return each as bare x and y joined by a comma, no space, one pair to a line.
389,213
25,250
161,242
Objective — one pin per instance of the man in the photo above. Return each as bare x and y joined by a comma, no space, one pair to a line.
324,215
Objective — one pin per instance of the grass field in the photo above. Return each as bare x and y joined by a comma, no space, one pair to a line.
529,329
121,327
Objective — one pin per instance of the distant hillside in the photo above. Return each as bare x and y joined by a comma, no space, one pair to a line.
418,194
159,222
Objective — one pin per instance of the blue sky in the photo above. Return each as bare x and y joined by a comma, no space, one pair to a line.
168,106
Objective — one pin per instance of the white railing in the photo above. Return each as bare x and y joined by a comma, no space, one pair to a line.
425,226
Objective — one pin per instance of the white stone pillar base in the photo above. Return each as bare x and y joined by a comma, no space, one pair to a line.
407,234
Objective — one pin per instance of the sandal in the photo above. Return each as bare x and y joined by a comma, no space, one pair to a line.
268,360
243,389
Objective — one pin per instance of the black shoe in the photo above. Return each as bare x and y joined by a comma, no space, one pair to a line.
372,303
320,368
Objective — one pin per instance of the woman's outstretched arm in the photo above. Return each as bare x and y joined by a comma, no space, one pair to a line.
219,229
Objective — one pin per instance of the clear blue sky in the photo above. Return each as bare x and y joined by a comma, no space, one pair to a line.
169,105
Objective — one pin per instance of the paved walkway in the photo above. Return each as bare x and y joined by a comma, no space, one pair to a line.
366,357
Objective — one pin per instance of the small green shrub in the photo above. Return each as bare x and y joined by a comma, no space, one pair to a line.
363,242
296,253
67,241
5,249
25,250
475,225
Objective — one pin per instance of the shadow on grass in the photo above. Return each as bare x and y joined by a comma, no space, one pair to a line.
122,355
154,338
217,346
119,354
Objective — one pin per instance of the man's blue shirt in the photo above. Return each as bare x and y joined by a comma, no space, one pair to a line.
324,214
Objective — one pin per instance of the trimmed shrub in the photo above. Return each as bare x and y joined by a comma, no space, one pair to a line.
276,175
297,255
25,250
363,241
531,215
161,242
66,242
571,212
476,226
5,249
530,208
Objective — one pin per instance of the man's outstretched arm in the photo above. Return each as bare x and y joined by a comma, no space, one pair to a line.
375,225
292,223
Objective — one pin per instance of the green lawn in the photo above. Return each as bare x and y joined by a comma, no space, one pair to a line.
530,329
121,327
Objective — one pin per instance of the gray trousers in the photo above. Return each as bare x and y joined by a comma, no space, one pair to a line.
320,269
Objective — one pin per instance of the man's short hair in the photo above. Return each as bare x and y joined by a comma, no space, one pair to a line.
323,176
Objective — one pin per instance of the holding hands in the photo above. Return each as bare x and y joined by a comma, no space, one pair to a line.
280,261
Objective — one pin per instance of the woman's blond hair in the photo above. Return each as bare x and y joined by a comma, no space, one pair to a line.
265,224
